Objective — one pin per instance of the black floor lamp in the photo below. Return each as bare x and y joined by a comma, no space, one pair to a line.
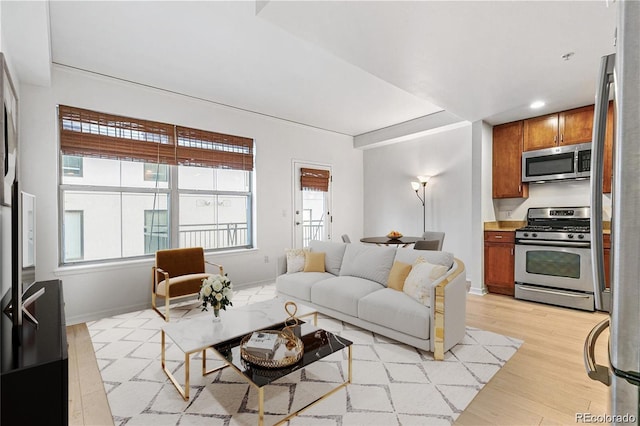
422,182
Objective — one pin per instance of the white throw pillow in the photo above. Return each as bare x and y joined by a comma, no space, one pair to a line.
418,283
295,260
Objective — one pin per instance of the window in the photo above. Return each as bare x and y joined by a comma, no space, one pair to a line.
156,230
73,235
131,172
72,166
154,172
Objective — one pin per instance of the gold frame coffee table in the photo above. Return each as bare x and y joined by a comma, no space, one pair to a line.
199,334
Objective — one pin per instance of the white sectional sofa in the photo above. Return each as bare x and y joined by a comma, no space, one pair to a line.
353,288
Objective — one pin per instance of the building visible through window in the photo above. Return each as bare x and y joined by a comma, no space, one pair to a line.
156,172
73,235
72,166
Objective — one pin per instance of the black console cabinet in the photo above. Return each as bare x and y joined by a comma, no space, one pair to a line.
35,374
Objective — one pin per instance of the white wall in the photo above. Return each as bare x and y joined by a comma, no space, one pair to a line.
97,291
390,203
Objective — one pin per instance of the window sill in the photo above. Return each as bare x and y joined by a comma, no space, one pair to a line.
69,270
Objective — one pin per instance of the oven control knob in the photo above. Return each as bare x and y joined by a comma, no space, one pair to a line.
526,234
581,236
570,235
534,235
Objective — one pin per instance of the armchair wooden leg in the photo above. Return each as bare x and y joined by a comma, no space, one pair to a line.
154,306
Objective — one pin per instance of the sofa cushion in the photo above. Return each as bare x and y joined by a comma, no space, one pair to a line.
314,262
435,257
295,260
342,293
401,313
333,253
399,273
299,284
182,285
369,262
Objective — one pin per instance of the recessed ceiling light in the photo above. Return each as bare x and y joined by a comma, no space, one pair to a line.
537,104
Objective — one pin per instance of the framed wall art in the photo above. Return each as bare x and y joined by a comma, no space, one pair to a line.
9,133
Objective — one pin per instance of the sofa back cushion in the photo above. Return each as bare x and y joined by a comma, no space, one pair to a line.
434,257
369,262
333,253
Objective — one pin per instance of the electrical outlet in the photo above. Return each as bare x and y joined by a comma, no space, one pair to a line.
509,212
266,259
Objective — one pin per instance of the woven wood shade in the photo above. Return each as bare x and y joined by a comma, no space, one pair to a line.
210,149
314,180
94,134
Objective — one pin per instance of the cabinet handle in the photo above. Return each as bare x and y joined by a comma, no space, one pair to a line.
555,138
519,188
561,137
512,251
497,236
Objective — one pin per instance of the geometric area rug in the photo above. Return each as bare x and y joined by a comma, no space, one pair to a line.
393,383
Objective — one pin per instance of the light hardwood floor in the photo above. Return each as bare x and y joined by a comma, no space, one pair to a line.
544,383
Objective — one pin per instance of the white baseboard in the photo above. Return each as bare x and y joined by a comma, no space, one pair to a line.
478,291
94,316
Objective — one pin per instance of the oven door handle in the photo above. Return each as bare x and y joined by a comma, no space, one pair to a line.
555,243
537,290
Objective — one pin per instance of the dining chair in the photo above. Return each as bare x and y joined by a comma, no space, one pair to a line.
426,245
345,238
434,236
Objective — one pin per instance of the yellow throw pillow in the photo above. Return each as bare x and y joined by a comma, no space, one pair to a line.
397,275
314,261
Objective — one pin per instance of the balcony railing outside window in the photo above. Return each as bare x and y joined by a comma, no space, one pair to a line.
312,230
214,235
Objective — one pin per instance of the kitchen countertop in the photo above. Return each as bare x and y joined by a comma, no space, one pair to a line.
504,225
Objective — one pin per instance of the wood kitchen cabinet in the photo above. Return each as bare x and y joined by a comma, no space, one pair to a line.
564,128
499,255
606,245
507,161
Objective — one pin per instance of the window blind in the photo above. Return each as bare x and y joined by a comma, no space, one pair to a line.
94,134
314,179
210,149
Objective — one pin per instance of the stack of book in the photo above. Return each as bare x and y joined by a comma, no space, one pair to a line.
262,345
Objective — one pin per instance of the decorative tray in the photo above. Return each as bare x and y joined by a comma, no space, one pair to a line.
288,351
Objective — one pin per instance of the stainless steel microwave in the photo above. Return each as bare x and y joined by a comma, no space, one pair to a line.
563,162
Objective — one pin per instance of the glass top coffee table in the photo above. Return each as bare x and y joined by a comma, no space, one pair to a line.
200,334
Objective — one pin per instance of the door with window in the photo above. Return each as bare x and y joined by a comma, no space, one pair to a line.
312,203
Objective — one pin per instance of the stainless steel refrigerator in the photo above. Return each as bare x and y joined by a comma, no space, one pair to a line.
619,79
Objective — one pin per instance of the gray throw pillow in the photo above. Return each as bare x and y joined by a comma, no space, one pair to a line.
333,253
369,262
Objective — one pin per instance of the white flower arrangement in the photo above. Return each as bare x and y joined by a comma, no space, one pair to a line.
216,291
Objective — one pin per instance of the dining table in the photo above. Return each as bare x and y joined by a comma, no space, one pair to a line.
386,241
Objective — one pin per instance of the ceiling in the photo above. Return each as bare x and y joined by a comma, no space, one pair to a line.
347,66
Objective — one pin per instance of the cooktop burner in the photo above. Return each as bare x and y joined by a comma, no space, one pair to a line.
556,224
548,228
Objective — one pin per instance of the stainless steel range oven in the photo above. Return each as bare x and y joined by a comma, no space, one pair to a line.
553,258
